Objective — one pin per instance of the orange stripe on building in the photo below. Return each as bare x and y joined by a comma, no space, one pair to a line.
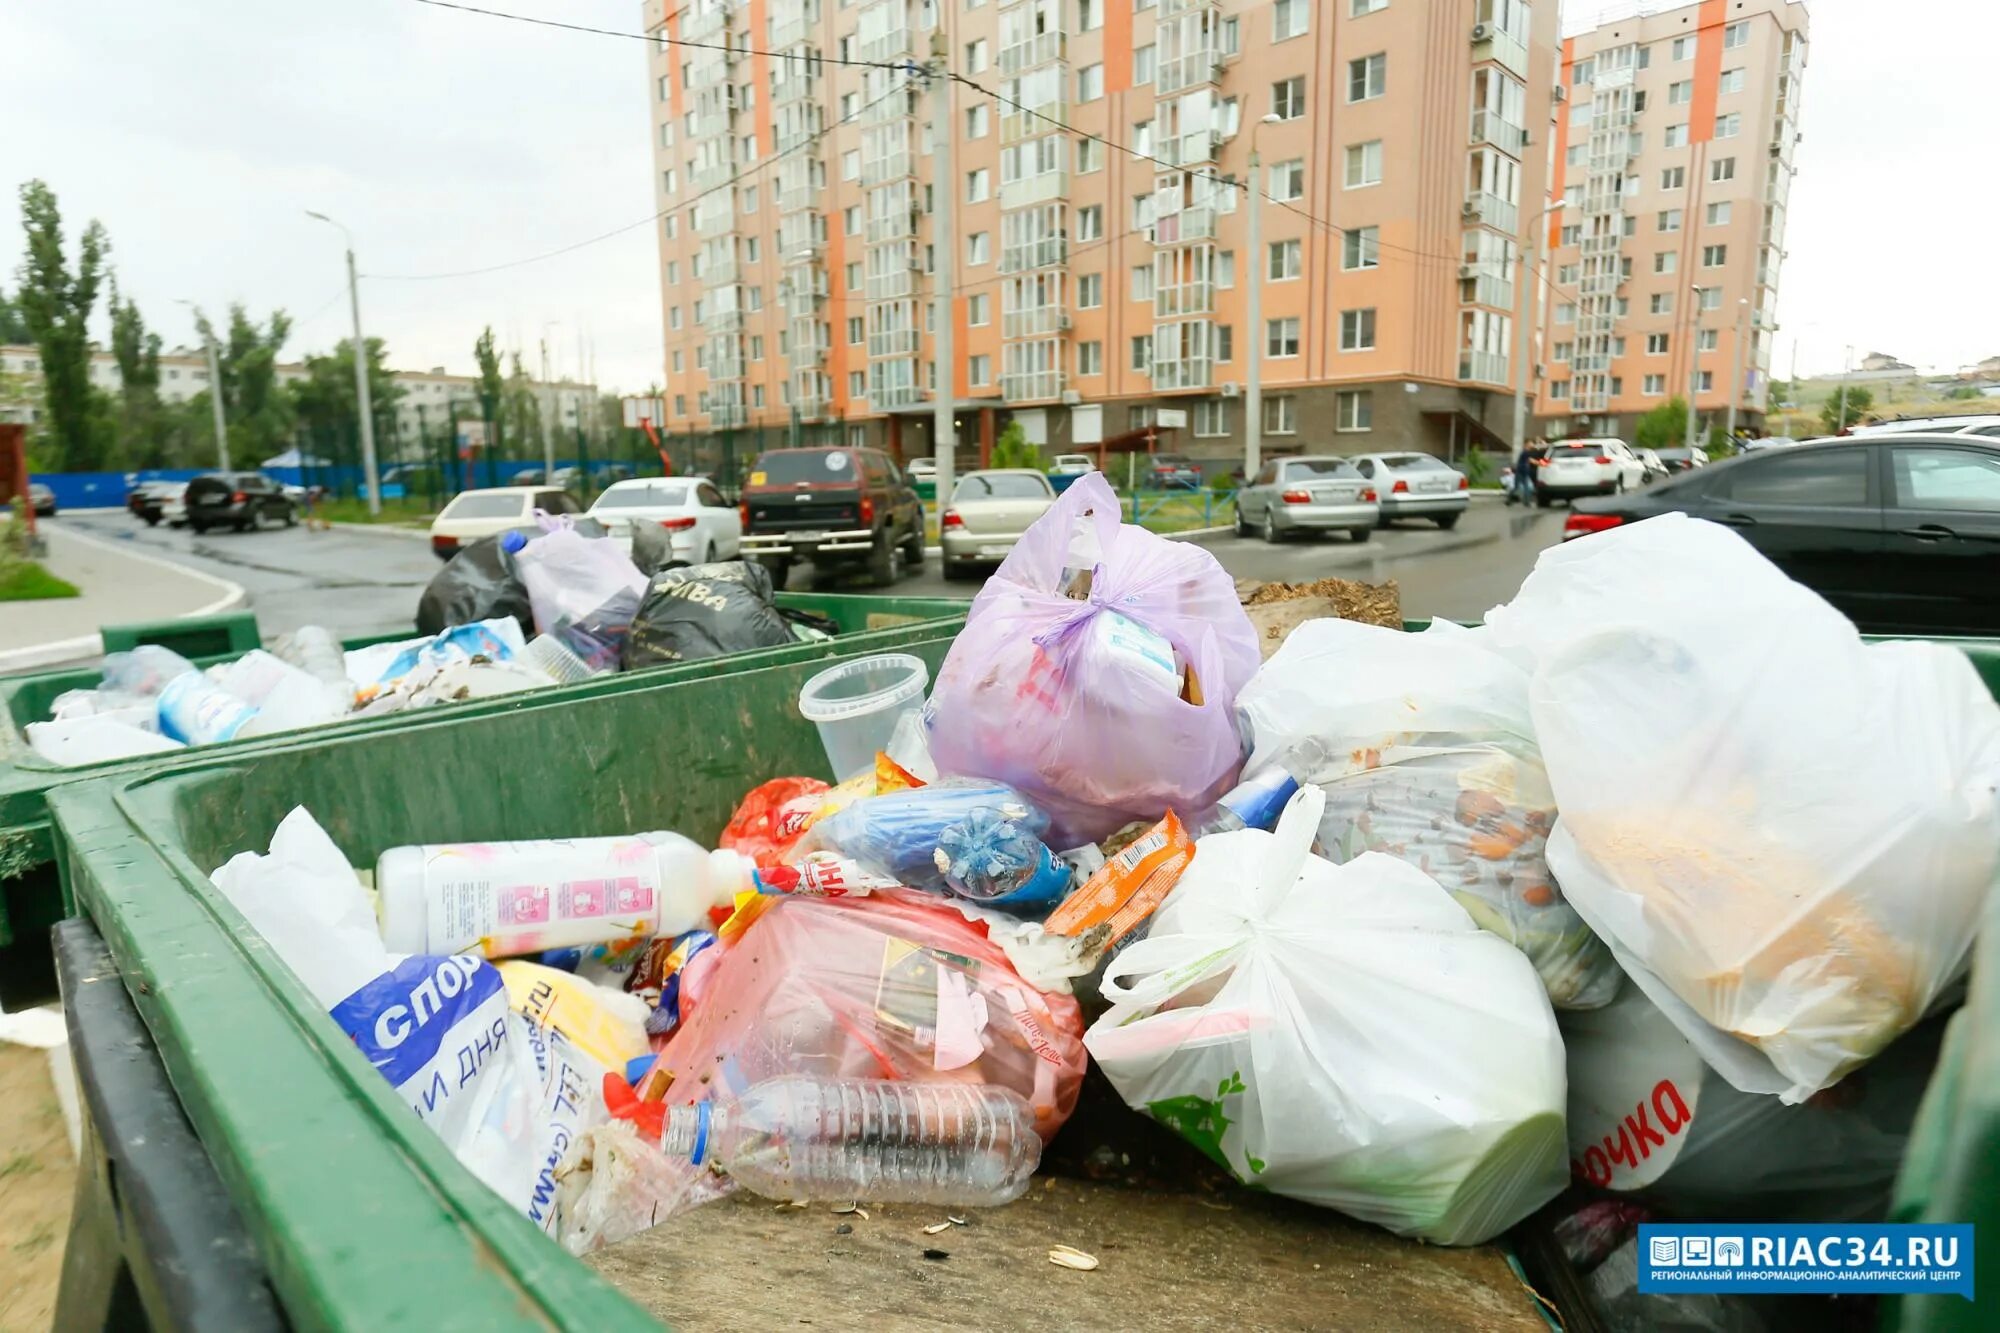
961,341
1560,169
1707,69
674,89
837,299
760,70
1117,48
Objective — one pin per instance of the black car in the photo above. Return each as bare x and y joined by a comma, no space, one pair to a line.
240,500
42,500
839,508
1900,532
1679,458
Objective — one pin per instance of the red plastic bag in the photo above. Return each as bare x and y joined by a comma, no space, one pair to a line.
753,830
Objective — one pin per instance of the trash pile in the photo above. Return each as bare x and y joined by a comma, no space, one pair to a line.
1356,922
517,611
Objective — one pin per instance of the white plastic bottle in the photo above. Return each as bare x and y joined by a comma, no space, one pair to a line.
510,899
953,1144
197,711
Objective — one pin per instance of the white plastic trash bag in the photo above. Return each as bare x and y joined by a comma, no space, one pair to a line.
1425,749
583,590
1343,1035
1785,835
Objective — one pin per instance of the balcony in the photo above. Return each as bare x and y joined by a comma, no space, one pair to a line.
894,342
713,70
712,175
1048,252
1037,321
1487,289
1049,118
796,190
1492,210
894,283
1200,64
1037,189
898,224
808,341
793,27
1031,386
727,416
896,388
1185,227
892,166
800,233
796,127
805,290
722,322
1182,300
723,272
811,407
716,221
1489,128
1590,363
705,22
886,46
1189,150
709,124
1483,367
898,105
794,87
1045,48
1491,42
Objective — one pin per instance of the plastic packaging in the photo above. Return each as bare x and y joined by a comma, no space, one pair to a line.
584,590
380,666
286,697
145,671
197,711
1121,894
754,829
1785,835
857,705
314,650
508,899
1425,748
1343,1035
952,1144
96,738
965,836
546,653
1097,672
698,611
992,856
1252,803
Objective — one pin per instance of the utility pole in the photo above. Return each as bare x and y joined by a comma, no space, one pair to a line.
1531,256
549,403
1253,388
214,384
944,435
1736,376
1846,369
372,483
1694,365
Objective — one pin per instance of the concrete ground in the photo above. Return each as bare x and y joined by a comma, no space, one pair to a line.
118,581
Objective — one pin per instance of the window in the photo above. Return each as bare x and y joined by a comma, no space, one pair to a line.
1559,389
1090,223
1677,136
1729,126
1090,291
679,364
1354,409
1225,342
1670,219
1225,269
1089,155
854,277
673,318
1680,94
1361,247
1705,381
1674,178
1359,7
978,186
667,180
1090,358
1142,353
1089,15
756,395
1830,477
1566,313
1945,478
1145,64
975,121
1718,214
1714,256
1090,83
1711,297
1364,164
1572,234
1288,180
1288,98
857,384
850,105
1142,138
1283,338
1707,340
1722,169
979,248
751,249
979,371
975,56
1281,415
1656,344
1664,260
680,405
850,165
978,310
1683,49
1357,330
1285,262
1367,77
673,276
1232,37
1653,385
1211,418
1736,34
1662,303
1573,155
1582,72
1288,19
1567,274
856,330
1142,282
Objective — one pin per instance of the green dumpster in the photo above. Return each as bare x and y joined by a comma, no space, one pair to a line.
30,897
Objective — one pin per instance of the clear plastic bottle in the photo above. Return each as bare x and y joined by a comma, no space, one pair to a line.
314,650
145,671
954,1144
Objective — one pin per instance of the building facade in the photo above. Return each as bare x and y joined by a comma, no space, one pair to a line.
1100,217
1674,155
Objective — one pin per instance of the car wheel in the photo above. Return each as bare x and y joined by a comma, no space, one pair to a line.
152,520
1541,500
885,561
1447,521
245,524
291,517
779,568
1359,535
708,554
199,528
913,546
1618,486
1242,520
1271,533
957,571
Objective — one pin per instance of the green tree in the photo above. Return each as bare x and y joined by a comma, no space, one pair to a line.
520,412
260,416
13,325
1665,427
1013,450
143,429
324,408
55,304
491,385
1859,401
1962,392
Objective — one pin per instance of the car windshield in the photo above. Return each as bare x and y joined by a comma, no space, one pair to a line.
1574,450
476,504
654,495
1000,486
788,466
1415,463
1304,469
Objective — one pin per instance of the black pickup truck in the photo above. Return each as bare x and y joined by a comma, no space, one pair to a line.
839,508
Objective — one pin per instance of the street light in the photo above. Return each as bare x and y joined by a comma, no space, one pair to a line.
549,404
373,484
1253,389
214,382
1694,366
1522,276
1736,376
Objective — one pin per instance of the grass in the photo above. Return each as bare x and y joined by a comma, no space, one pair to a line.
411,512
26,581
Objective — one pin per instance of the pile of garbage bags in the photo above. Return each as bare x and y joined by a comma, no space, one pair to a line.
1645,888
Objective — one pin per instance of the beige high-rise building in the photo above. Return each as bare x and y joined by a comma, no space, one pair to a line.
1675,153
1100,217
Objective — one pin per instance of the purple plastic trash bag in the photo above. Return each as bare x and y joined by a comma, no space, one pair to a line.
1078,704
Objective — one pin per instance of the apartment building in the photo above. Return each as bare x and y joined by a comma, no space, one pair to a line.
1100,216
1675,154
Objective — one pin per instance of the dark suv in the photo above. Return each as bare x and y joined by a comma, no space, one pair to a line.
839,508
240,500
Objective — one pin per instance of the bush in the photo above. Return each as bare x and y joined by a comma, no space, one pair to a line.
1479,468
1013,450
1223,483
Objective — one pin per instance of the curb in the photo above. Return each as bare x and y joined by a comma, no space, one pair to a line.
58,651
380,529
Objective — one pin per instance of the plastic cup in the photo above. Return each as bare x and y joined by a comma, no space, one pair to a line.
857,704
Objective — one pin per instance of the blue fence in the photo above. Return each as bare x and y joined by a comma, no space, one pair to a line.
107,490
104,490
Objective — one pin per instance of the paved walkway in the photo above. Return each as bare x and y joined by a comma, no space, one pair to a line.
119,585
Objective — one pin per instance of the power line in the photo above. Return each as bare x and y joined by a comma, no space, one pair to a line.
661,39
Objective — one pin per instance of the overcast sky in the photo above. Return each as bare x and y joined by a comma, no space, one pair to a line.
199,131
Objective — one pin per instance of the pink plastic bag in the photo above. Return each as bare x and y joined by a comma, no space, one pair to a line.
583,590
1068,703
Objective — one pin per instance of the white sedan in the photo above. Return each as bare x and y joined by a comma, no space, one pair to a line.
476,514
701,526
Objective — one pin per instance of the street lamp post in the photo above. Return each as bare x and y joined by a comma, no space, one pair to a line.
1530,256
371,482
1736,376
214,384
1846,368
1253,388
550,402
1694,366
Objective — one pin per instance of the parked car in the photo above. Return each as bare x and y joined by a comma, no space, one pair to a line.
1174,472
838,508
1416,486
1656,467
1072,465
921,469
1308,495
173,505
1679,458
989,511
42,500
1900,532
476,514
239,500
700,524
1981,424
1766,442
1587,467
146,499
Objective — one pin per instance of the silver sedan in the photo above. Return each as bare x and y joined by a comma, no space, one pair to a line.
989,511
1417,486
1307,495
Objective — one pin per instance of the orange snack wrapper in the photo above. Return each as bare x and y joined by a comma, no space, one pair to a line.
1126,889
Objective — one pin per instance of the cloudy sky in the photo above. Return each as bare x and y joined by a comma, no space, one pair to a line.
199,131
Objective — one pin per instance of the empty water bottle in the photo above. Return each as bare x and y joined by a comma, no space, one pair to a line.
144,671
314,650
953,1144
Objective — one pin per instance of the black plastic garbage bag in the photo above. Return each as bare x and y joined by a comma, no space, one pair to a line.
697,611
479,583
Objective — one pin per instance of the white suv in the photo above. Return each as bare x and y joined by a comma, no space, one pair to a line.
1587,467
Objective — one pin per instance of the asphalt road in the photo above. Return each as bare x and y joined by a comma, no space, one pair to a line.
358,582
